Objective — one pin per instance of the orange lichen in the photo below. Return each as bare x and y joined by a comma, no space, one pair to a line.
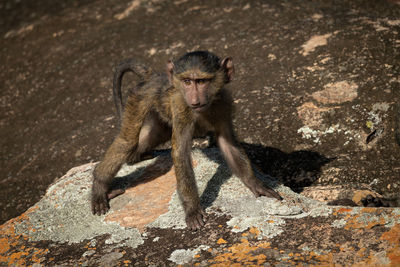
361,252
10,240
323,259
17,258
4,245
12,251
375,223
344,210
354,222
254,231
393,237
241,254
221,241
38,254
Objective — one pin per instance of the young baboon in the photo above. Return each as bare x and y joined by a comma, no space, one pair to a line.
188,100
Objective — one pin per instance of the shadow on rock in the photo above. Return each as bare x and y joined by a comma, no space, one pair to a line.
296,170
159,167
213,186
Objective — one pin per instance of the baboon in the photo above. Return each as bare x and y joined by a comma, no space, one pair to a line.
189,99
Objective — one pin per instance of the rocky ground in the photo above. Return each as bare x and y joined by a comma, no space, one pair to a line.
315,88
146,227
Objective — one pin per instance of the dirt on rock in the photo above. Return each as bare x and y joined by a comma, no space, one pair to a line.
315,88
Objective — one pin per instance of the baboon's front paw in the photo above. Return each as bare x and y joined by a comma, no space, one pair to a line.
261,190
195,219
100,204
101,196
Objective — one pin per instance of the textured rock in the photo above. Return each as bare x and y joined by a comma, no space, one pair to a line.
338,92
335,192
318,76
314,42
146,224
150,198
316,100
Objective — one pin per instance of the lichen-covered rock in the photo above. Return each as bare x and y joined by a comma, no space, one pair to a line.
316,97
146,224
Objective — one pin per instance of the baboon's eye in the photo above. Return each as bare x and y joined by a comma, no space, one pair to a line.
202,81
187,81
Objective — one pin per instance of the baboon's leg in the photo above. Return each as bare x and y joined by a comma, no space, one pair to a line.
154,132
186,184
124,146
240,163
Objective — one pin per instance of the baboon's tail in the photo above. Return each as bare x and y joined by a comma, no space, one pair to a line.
139,69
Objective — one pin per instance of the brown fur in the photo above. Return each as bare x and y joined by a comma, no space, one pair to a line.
176,106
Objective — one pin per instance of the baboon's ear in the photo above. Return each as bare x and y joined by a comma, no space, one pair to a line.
170,70
227,66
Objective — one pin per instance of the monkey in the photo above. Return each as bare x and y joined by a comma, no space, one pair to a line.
187,100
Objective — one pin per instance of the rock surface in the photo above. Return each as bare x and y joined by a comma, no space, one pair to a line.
316,84
145,226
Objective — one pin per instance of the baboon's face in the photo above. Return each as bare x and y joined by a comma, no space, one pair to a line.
196,89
